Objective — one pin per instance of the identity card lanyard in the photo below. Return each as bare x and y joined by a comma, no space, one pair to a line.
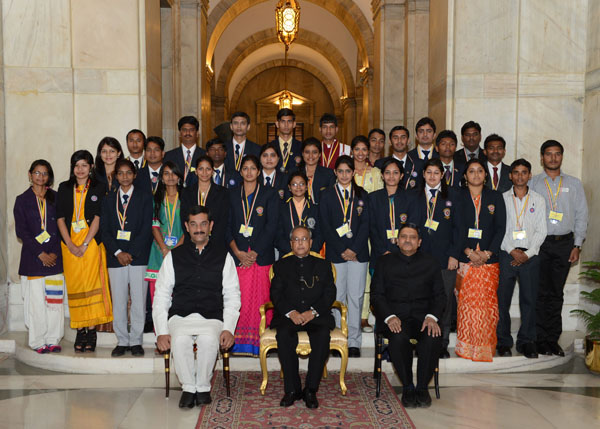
122,234
411,172
202,196
554,215
79,224
238,161
476,232
285,160
170,241
430,223
331,154
519,233
392,233
43,236
246,229
346,228
302,221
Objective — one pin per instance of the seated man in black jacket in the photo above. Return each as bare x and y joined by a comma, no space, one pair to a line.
302,291
407,294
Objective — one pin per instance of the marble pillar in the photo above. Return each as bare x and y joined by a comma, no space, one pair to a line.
417,59
440,61
153,67
4,211
349,109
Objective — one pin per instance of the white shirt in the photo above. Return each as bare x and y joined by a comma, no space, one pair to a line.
164,290
139,160
185,151
220,170
428,189
242,145
120,195
152,170
468,152
403,160
422,155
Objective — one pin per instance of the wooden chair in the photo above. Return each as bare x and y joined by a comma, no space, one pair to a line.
338,342
379,339
224,356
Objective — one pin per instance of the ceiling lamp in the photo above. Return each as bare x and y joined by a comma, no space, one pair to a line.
287,17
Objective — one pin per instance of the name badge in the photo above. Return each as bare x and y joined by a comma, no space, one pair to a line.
123,235
433,225
519,235
475,233
343,230
171,241
44,237
246,231
79,225
392,233
555,216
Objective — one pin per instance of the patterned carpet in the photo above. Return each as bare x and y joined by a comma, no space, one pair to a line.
247,408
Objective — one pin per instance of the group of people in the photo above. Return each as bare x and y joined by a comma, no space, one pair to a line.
460,223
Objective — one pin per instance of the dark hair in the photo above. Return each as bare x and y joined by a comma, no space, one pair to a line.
302,175
215,141
268,146
360,139
310,141
161,189
399,128
411,226
111,142
391,160
136,131
425,121
197,209
470,124
50,181
88,158
125,162
252,158
157,140
349,161
190,120
286,112
446,134
463,181
376,130
520,161
205,158
551,143
328,118
435,162
494,138
240,115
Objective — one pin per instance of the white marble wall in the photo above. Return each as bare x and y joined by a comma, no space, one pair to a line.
4,305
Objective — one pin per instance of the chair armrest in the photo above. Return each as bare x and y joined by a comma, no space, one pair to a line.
344,320
263,316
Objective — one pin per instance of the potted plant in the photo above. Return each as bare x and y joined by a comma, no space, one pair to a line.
592,320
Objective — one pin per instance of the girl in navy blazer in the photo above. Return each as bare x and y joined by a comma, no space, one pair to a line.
270,175
253,217
41,267
108,153
344,218
319,177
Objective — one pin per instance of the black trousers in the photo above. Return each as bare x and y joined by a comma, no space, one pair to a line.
528,276
287,341
449,278
401,353
554,269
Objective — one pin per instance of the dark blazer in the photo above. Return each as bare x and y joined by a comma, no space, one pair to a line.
138,221
280,185
114,184
323,178
379,220
492,221
231,178
409,287
414,153
263,219
441,243
413,171
332,217
92,205
289,293
459,155
217,202
504,184
250,148
457,174
295,155
310,219
28,226
144,182
178,157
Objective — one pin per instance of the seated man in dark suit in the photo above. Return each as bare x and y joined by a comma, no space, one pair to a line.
302,291
407,294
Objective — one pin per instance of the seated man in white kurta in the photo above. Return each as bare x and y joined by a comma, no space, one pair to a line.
197,296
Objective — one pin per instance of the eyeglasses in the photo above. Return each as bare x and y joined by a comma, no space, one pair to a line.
40,173
300,239
298,185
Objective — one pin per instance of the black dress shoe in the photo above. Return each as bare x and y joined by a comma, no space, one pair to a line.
289,398
353,352
409,398
503,351
423,398
555,349
188,400
528,350
310,398
118,351
444,354
543,349
137,350
203,398
148,327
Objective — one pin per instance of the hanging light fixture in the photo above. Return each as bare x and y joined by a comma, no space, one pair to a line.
287,17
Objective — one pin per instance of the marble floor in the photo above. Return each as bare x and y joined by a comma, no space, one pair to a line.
564,396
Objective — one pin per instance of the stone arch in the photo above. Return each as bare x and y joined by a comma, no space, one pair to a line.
345,10
267,37
335,97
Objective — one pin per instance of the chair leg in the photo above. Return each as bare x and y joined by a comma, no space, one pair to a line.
436,382
378,347
225,354
343,366
167,356
265,374
325,370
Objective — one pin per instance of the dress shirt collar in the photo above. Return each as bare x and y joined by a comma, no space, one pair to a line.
428,188
475,152
341,188
128,193
403,160
185,149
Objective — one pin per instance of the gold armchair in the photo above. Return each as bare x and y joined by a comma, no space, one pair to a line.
339,339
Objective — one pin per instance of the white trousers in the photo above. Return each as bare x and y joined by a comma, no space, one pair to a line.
350,284
125,281
194,375
44,309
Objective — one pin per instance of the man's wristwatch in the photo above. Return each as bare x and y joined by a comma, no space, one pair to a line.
577,247
314,312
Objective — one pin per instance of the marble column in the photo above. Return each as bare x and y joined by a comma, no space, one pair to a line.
417,58
4,212
349,109
441,39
